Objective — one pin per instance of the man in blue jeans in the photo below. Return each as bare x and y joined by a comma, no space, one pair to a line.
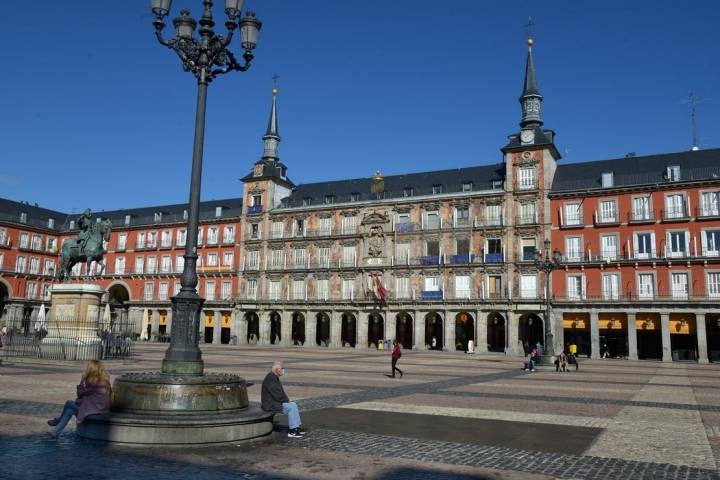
274,399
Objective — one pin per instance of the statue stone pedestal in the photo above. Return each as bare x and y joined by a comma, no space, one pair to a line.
73,323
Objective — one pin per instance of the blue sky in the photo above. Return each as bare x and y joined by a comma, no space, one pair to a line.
94,112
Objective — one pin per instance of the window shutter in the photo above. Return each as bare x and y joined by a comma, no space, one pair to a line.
703,242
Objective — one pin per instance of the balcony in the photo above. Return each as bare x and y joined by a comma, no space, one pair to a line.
406,227
491,222
494,258
430,260
433,295
641,216
254,209
573,221
678,214
462,259
708,212
611,218
530,219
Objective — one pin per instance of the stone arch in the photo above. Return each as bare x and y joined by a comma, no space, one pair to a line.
5,294
376,329
348,329
434,329
122,284
253,327
464,330
298,328
275,328
531,330
404,329
322,329
495,332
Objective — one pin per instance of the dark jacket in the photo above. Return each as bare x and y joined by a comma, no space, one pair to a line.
272,395
94,399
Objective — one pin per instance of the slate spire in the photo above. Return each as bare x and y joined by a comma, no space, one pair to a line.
271,139
530,99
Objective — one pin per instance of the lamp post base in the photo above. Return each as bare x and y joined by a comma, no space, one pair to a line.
547,360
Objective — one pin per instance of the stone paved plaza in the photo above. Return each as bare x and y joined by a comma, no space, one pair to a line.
452,416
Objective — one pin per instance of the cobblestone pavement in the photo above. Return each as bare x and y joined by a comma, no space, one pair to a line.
645,420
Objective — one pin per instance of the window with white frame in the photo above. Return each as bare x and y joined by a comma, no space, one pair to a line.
675,205
251,289
210,290
274,289
36,242
432,248
348,288
408,192
20,264
673,173
575,290
432,284
607,180
432,220
467,186
527,213
166,264
120,265
277,258
252,260
151,265
679,285
3,237
176,288
152,239
139,264
641,208
212,259
127,219
608,247
349,225
528,245
122,241
212,235
46,291
573,249
181,237
49,268
710,243
323,256
402,252
300,257
228,259
462,286
2,260
158,216
712,280
163,291
528,286
51,244
710,204
462,216
179,263
278,228
298,289
200,235
149,291
31,289
34,265
348,256
493,214
611,286
678,244
166,238
322,289
229,234
24,240
402,287
526,178
608,211
76,270
572,214
299,227
226,291
437,189
325,225
644,244
646,285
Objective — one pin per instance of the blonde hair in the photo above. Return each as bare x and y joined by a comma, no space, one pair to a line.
96,373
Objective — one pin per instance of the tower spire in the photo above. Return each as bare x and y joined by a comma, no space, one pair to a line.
530,99
271,139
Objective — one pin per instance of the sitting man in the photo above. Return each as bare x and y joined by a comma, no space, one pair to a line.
274,399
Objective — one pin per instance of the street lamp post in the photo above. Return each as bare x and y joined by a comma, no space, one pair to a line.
547,264
206,58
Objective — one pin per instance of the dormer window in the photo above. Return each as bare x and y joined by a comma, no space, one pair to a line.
51,223
497,184
185,214
437,189
306,201
218,211
673,173
467,187
408,192
329,199
127,220
607,180
23,217
72,224
354,197
158,217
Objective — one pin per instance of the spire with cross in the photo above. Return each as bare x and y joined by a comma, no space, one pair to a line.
271,139
530,99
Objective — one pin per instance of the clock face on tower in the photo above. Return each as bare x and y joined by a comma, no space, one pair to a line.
527,136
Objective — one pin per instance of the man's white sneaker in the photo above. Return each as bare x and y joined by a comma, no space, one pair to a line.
294,434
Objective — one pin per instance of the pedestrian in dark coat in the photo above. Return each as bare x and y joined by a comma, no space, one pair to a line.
395,356
274,399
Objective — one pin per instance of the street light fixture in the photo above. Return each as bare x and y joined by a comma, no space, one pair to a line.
547,264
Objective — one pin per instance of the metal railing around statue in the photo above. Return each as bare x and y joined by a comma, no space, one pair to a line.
69,338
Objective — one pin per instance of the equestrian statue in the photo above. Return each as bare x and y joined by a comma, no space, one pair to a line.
88,246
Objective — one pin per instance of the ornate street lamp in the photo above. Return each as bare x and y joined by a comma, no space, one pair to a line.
547,264
182,405
206,58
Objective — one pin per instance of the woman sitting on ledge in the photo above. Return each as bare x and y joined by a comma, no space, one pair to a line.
93,398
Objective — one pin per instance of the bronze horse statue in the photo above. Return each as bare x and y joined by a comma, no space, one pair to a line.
86,247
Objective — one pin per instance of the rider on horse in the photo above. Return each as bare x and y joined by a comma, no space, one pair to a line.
85,225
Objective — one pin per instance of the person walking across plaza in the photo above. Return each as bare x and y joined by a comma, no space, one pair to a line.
273,399
395,356
93,398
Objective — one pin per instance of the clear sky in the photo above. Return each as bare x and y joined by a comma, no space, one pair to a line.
94,112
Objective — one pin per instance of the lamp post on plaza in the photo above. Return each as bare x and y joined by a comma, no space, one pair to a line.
547,264
206,58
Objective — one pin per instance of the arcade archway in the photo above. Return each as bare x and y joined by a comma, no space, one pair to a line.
530,331
464,330
275,328
434,331
253,328
348,330
322,329
495,332
298,328
376,329
404,330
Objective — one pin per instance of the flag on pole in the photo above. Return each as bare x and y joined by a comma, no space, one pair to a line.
379,290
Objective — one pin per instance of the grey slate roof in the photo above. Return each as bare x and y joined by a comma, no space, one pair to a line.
530,86
10,211
422,184
630,171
